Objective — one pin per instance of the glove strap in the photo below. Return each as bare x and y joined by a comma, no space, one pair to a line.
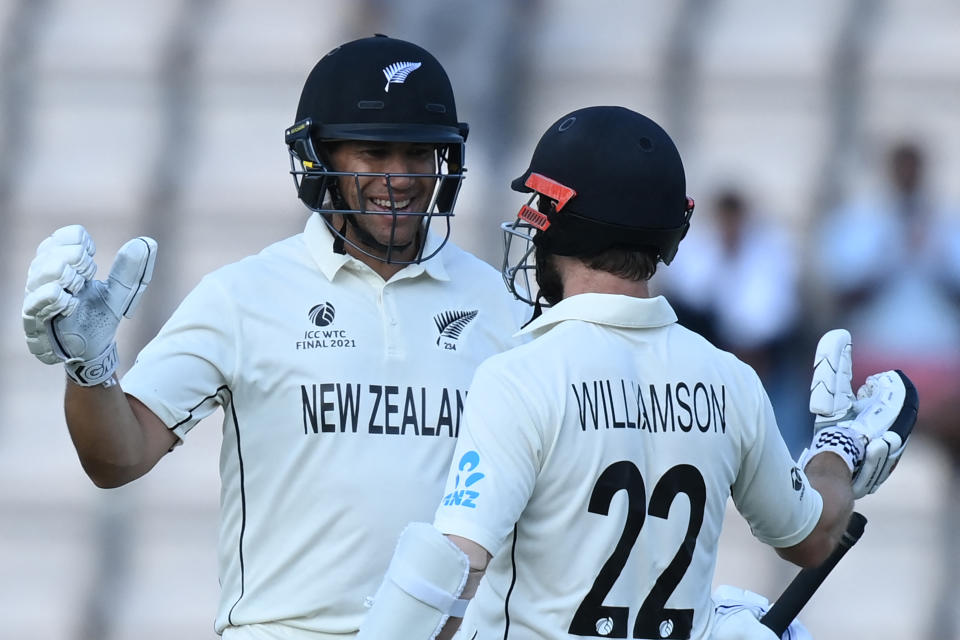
89,373
841,440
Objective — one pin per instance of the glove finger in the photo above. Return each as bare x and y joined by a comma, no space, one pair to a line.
830,391
70,234
70,265
130,274
868,477
873,384
48,301
896,450
38,341
880,402
741,625
745,597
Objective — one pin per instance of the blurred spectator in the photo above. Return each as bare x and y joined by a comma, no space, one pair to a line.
735,281
890,264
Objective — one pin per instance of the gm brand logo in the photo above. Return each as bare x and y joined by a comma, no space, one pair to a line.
451,324
322,314
466,496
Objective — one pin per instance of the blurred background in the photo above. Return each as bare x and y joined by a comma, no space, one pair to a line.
822,145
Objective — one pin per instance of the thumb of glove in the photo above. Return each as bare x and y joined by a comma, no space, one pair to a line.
831,396
129,276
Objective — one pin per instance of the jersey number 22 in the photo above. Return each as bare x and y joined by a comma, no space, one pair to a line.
654,620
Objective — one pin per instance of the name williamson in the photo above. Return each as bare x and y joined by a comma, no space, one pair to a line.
626,404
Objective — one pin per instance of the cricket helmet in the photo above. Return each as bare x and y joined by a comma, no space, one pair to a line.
377,89
603,177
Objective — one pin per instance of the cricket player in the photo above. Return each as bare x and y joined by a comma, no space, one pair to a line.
590,480
340,357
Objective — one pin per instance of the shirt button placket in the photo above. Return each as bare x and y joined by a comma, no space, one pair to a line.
394,344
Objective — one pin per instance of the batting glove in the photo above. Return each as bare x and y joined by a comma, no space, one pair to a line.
69,317
738,617
873,441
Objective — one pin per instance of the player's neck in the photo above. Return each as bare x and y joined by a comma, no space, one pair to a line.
579,278
375,256
384,269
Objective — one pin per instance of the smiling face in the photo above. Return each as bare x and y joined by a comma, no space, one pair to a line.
390,194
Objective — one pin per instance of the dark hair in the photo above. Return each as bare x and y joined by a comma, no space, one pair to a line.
630,264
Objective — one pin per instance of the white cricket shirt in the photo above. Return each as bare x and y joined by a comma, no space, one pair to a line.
342,397
595,463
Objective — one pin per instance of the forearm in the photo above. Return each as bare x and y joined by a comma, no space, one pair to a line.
830,476
479,559
112,442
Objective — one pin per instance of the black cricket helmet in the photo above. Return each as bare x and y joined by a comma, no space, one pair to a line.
377,89
603,177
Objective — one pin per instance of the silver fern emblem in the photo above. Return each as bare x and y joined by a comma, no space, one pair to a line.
397,73
450,324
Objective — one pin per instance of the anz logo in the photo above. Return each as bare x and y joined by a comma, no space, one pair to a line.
465,497
451,324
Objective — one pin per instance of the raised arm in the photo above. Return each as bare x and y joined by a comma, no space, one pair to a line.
71,318
857,441
117,438
831,477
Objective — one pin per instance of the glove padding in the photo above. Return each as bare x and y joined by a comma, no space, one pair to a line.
885,396
69,317
738,613
873,441
831,394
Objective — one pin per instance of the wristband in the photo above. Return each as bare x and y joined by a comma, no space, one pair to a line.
841,440
90,373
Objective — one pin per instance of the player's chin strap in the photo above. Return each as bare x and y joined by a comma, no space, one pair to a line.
537,310
421,588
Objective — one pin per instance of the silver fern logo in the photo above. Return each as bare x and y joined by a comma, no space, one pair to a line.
451,324
397,73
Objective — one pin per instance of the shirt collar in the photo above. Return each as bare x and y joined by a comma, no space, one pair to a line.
319,241
605,308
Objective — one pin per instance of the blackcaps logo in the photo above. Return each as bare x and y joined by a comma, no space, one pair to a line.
451,324
322,314
796,479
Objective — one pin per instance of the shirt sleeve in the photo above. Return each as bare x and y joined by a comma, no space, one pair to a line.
771,492
183,374
495,464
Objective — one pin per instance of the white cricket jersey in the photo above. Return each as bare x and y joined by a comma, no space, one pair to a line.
595,463
342,397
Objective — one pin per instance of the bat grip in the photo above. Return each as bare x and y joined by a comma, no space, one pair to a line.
807,581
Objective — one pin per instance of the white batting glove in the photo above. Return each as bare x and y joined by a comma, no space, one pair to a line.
738,617
831,396
69,317
873,441
884,395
